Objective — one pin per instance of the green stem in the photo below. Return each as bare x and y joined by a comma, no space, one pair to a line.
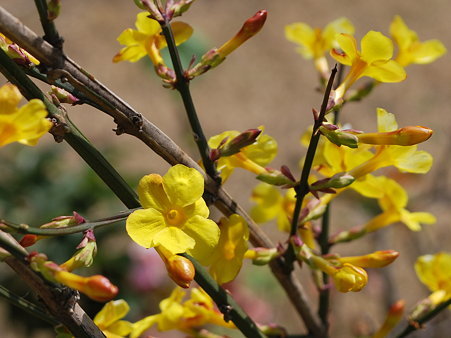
225,302
74,137
324,294
51,34
416,324
26,229
27,306
182,85
302,189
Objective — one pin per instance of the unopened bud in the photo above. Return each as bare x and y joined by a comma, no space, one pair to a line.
84,257
17,54
180,270
63,96
261,256
29,240
275,177
244,139
339,137
350,278
337,181
251,27
376,259
394,315
177,7
53,9
406,136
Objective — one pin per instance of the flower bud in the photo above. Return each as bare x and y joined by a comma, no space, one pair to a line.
261,256
376,259
234,146
177,7
275,177
29,240
251,27
350,278
339,137
85,254
63,96
337,181
53,9
179,268
406,136
17,54
394,315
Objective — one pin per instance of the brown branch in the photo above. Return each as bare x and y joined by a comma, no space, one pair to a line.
70,314
131,122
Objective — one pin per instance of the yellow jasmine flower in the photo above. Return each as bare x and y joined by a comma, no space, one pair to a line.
108,319
411,49
148,39
228,257
272,204
174,214
435,272
377,259
314,43
374,60
253,157
186,316
393,203
25,124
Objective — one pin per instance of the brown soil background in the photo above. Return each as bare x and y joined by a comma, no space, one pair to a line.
266,82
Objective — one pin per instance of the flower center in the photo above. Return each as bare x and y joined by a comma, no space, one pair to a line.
175,217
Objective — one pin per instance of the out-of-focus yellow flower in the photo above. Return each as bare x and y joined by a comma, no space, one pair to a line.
394,315
228,256
272,204
314,43
148,39
25,124
411,49
186,316
253,157
109,319
374,60
174,214
435,272
393,203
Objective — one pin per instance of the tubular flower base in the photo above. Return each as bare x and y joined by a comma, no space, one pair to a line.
186,316
374,60
174,214
24,125
411,50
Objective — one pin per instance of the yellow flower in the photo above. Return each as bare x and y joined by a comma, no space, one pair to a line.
374,60
377,259
108,319
227,259
271,204
25,124
411,50
148,39
314,43
174,214
435,272
186,316
393,203
253,157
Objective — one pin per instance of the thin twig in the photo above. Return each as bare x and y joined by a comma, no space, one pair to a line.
182,86
51,34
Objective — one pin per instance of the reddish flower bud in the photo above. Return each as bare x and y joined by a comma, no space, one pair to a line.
406,136
28,240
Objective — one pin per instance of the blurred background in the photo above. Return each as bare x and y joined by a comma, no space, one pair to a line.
264,82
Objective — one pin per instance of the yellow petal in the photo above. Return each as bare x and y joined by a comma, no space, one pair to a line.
142,325
144,225
376,46
402,35
385,121
348,45
147,25
413,220
121,328
303,35
205,233
263,151
198,208
428,52
111,312
182,32
9,98
419,162
151,193
174,239
386,71
183,185
131,54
